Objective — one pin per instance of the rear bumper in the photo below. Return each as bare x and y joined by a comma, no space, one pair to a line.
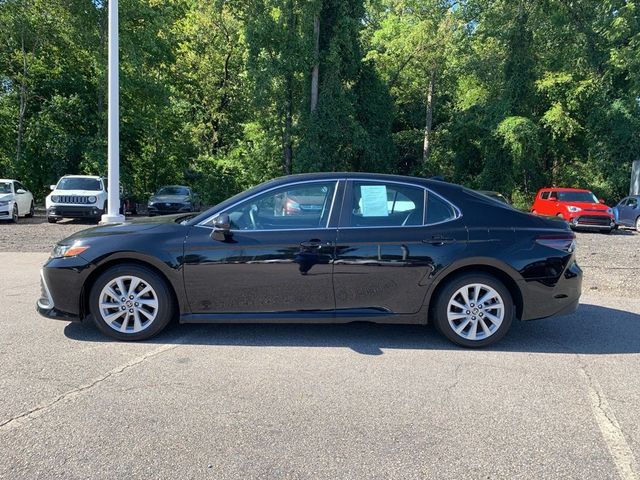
75,211
542,299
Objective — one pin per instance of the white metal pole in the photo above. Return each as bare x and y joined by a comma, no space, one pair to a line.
113,148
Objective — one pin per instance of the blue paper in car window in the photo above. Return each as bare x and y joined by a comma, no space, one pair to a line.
373,201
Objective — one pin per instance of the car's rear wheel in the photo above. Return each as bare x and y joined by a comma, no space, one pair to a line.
131,302
474,310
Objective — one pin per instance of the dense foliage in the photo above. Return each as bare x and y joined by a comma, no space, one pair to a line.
506,95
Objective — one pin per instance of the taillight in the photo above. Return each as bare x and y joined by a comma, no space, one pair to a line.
565,242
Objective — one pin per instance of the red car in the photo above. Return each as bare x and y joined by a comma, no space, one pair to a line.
581,208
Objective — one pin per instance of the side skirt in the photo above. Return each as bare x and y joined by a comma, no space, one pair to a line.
314,316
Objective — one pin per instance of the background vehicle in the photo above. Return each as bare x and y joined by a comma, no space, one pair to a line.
15,200
627,212
495,195
174,199
77,196
581,208
449,256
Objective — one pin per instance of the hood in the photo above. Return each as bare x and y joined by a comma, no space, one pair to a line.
5,197
131,227
81,193
169,198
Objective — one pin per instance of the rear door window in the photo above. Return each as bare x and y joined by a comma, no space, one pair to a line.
381,204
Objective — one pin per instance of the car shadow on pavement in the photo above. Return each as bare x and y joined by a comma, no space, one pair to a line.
591,330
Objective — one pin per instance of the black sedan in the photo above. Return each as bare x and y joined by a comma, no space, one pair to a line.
335,247
173,199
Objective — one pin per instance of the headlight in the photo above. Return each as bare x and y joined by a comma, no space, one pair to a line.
92,199
610,211
573,209
54,198
151,204
60,251
4,203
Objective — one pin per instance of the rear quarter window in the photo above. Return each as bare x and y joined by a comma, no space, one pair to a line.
438,210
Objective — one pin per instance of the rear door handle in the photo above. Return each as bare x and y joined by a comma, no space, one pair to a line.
439,240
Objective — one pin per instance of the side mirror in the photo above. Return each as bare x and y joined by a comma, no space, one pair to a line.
20,191
601,200
52,187
222,228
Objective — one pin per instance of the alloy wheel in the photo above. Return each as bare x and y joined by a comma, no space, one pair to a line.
128,304
475,311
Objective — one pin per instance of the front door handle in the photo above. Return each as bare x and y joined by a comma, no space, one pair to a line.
439,240
315,244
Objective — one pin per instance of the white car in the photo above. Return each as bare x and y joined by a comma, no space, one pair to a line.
77,196
15,200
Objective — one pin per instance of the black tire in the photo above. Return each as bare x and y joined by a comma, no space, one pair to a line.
165,299
52,219
32,211
14,214
607,232
638,224
439,310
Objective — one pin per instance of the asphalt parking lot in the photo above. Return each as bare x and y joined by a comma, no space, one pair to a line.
557,398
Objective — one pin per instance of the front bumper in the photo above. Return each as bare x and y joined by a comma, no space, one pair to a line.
74,211
164,209
6,211
592,222
61,285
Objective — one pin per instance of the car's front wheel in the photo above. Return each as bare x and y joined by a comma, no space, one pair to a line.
638,224
474,310
131,302
14,213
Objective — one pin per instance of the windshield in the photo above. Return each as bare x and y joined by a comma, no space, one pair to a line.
585,197
71,183
5,187
173,191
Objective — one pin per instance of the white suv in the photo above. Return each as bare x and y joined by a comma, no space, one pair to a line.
77,196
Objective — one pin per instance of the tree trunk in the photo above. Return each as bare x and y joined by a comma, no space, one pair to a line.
426,146
287,148
316,63
22,109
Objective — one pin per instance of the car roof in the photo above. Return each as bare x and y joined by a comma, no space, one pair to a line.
300,177
564,189
82,176
7,180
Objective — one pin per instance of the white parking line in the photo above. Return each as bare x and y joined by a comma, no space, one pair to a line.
610,429
25,417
